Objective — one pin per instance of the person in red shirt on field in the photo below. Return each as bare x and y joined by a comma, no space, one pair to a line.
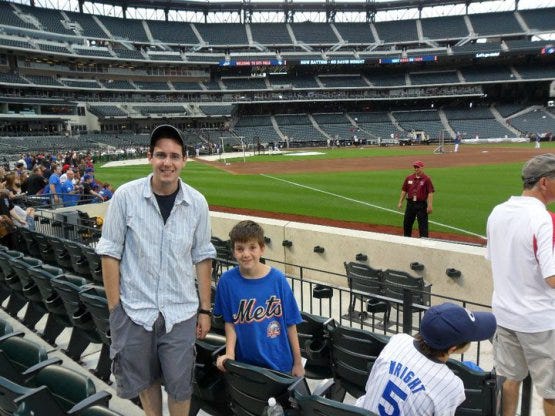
419,193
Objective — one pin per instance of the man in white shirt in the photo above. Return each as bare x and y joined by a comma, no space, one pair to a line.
410,378
521,239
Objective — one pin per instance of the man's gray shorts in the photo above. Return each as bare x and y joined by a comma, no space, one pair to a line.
517,353
141,357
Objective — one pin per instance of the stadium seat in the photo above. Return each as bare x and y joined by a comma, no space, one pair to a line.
353,352
63,258
396,282
317,405
67,287
47,253
250,387
209,390
315,346
95,264
16,302
480,388
369,281
224,257
22,285
20,358
31,244
53,391
94,299
79,262
45,298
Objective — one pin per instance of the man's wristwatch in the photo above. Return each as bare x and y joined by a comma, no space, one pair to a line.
205,312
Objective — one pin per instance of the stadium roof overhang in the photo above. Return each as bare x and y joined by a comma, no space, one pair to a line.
368,6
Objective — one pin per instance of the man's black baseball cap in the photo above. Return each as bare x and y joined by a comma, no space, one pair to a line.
166,131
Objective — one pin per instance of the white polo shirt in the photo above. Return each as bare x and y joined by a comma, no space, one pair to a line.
520,247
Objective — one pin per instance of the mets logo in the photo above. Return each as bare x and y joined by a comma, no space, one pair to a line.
273,329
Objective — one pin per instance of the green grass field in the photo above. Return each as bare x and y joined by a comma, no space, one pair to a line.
463,200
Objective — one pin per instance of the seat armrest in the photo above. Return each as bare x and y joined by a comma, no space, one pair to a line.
41,396
39,366
99,398
12,334
324,387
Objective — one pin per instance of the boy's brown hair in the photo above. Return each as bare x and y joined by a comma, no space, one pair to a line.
244,231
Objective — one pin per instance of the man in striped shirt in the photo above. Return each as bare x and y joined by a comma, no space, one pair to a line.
155,243
410,378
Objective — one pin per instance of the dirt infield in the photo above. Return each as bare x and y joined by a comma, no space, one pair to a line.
469,155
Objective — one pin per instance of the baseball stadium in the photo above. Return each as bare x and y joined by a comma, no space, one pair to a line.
303,116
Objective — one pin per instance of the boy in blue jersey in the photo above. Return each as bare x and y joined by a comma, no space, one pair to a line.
258,307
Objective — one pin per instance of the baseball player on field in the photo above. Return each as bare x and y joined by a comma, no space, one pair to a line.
410,378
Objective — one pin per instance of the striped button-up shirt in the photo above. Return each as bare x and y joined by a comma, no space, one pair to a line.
157,260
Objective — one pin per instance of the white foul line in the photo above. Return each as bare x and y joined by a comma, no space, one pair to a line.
367,204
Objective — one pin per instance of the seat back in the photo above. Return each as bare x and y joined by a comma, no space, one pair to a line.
353,351
68,286
95,263
79,262
31,244
250,387
47,253
21,268
68,387
17,354
396,281
209,389
9,393
42,277
315,346
94,299
479,387
63,257
5,264
364,278
313,405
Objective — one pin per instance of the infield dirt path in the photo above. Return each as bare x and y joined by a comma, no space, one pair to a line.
470,155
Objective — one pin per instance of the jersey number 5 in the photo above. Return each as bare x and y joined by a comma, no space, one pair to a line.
392,394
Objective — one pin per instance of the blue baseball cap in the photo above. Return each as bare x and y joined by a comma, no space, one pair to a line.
87,177
446,325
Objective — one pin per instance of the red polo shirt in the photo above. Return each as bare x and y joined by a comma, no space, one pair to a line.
419,187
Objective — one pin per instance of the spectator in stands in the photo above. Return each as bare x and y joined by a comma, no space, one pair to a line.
13,185
55,186
29,163
19,168
89,194
520,247
419,193
258,307
36,181
106,192
155,243
8,214
71,191
410,378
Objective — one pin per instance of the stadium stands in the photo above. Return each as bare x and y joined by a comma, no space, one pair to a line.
443,28
488,24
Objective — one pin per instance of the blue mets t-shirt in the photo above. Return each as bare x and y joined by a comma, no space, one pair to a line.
261,310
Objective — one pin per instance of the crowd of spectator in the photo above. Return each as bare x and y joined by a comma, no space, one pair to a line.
54,180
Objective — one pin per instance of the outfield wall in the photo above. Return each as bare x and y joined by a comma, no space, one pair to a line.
383,250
